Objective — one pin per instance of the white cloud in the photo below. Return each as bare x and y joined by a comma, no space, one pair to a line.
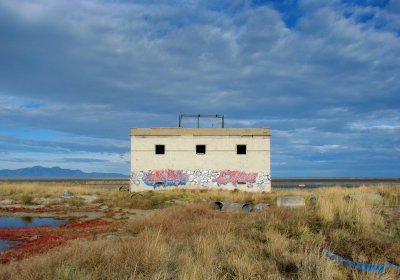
375,125
99,67
328,148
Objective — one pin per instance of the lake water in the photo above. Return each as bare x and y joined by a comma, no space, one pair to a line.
24,222
313,183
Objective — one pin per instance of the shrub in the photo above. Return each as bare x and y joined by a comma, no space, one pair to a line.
27,199
75,202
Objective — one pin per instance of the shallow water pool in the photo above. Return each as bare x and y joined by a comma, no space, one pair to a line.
5,244
22,222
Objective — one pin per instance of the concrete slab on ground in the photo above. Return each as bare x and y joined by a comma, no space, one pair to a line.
290,201
369,196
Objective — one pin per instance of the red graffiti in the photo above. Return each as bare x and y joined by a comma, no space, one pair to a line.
235,177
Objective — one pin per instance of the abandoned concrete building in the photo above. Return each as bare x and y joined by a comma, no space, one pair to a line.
226,158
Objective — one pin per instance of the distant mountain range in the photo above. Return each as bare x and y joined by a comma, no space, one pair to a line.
55,172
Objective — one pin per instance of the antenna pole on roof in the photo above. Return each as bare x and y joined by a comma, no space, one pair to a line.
198,116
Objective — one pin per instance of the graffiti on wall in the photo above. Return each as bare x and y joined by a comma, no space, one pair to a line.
165,177
204,178
235,177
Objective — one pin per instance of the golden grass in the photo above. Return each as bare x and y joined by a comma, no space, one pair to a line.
26,192
335,206
192,241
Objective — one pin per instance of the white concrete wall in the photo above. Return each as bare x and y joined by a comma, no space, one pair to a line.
184,167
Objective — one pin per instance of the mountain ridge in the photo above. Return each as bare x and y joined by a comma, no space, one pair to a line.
55,172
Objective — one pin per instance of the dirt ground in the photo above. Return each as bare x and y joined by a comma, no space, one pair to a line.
87,219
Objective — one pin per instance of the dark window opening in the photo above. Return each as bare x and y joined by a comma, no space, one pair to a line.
160,149
241,149
200,149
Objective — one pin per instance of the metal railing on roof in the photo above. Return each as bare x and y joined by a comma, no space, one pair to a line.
198,116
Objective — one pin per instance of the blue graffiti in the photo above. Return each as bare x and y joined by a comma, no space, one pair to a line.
164,178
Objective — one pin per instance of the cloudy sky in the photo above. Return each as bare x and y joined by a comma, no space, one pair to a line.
76,75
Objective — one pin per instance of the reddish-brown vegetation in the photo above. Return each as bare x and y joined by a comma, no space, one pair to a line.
37,240
13,209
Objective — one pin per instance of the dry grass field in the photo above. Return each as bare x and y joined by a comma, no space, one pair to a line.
185,238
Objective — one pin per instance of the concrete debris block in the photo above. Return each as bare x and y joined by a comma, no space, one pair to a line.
375,197
291,201
67,194
103,207
89,198
231,206
227,206
313,198
30,237
369,196
260,206
217,205
247,207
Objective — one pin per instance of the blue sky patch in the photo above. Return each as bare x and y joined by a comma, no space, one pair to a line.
365,3
289,10
32,106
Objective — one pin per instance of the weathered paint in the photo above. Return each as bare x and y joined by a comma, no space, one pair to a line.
166,177
200,178
235,177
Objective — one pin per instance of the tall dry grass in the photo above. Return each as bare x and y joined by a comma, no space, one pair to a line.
180,243
192,241
349,209
27,193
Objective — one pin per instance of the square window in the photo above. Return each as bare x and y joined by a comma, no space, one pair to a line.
200,149
241,149
160,149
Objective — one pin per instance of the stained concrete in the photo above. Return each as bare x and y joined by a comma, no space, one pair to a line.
290,201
